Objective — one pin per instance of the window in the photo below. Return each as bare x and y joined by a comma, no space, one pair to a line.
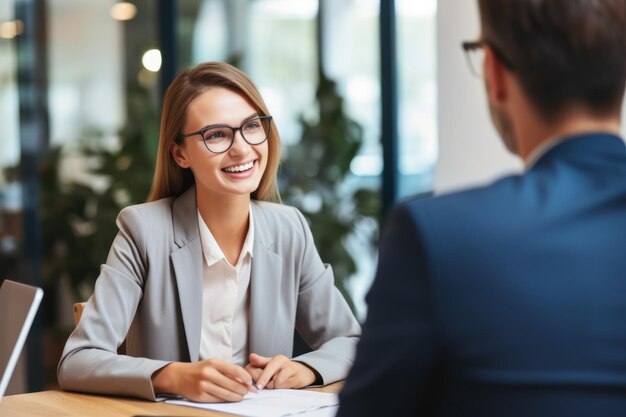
417,94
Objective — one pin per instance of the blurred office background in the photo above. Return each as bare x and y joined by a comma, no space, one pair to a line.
80,89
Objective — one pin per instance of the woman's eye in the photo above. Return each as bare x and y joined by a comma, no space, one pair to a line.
214,135
252,125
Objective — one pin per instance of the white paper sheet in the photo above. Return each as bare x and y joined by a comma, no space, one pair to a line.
275,403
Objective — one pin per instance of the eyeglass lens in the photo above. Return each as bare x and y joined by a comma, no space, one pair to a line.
220,139
475,58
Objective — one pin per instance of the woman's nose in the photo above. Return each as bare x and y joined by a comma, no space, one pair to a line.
240,146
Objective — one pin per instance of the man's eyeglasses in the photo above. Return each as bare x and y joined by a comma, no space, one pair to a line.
475,55
219,138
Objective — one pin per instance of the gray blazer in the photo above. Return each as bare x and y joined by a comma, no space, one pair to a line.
149,292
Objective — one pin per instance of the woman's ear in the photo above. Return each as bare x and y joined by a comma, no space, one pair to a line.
179,155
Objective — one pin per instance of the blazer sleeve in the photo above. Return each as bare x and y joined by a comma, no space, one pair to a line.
398,355
323,318
90,361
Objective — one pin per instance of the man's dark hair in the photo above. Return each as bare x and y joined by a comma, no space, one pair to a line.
562,51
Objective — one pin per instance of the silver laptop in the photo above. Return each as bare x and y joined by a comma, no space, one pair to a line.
18,306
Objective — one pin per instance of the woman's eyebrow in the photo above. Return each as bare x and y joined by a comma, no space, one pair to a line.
252,116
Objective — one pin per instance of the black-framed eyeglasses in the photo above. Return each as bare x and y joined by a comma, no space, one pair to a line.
474,53
220,138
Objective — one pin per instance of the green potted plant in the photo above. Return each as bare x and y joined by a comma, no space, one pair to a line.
313,178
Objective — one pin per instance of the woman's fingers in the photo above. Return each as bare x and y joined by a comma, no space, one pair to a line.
282,378
273,366
221,391
258,360
233,371
294,375
216,378
220,381
253,371
279,372
206,381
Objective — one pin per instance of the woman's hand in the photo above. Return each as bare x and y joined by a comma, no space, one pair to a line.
279,372
207,381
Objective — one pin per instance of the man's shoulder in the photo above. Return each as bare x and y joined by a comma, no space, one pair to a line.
504,191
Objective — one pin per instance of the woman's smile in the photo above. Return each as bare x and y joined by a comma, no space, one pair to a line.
241,170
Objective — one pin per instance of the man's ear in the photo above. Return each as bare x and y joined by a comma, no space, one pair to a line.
179,155
495,77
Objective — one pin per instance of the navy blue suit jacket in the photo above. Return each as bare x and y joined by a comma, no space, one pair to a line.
507,300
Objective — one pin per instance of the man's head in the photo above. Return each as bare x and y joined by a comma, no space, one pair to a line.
562,54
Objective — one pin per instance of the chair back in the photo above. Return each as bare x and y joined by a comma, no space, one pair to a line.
78,311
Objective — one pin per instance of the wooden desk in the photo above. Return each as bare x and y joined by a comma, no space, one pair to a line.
69,404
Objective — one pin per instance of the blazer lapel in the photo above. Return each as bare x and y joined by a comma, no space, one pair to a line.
187,264
265,284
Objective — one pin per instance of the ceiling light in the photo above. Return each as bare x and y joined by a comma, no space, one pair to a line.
123,10
151,60
10,29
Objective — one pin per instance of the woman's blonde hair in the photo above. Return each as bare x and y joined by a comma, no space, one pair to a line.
170,180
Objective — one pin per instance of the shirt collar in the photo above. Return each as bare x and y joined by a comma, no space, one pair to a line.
212,251
543,148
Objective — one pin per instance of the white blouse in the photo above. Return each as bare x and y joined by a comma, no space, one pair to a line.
225,299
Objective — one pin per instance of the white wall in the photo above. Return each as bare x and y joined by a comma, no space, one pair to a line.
470,151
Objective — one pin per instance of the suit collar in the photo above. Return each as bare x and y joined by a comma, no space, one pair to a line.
581,147
185,221
262,232
543,148
187,264
266,276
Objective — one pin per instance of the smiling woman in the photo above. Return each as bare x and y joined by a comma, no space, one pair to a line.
215,153
208,97
208,281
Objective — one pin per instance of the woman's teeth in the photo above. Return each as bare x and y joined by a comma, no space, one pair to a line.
240,168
